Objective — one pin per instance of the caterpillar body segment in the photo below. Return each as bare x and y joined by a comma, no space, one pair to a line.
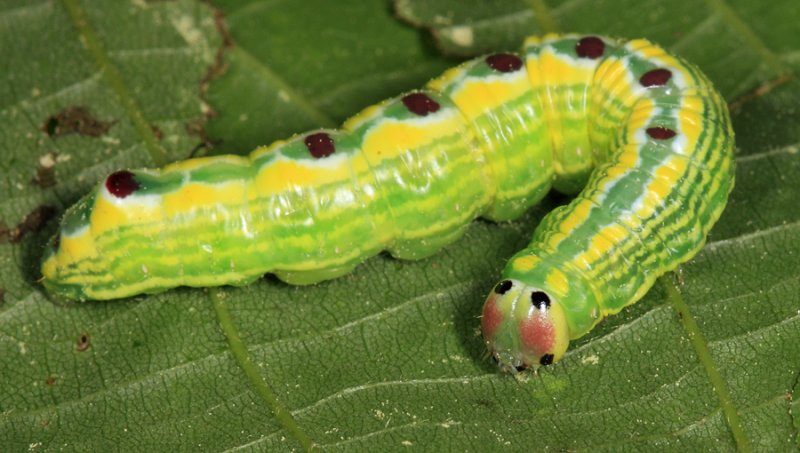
647,207
642,135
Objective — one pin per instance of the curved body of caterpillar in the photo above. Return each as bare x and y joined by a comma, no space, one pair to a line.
643,133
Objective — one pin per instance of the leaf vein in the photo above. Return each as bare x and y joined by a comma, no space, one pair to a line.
97,51
290,95
741,28
261,387
701,347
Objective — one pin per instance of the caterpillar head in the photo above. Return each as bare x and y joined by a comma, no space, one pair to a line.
524,326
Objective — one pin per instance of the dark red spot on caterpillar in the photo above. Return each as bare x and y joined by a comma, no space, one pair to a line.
420,104
655,78
121,184
504,62
546,359
540,299
660,133
320,145
590,47
503,286
522,367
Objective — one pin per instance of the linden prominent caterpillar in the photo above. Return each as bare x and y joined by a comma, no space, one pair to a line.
642,133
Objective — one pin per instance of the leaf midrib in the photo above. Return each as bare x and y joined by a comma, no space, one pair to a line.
700,345
242,356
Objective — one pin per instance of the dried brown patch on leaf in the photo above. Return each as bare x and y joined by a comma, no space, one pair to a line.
31,223
83,342
157,132
75,120
760,91
46,171
217,68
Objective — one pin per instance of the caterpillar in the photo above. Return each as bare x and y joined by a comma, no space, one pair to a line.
641,135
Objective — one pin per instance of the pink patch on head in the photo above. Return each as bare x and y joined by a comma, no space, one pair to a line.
491,318
538,334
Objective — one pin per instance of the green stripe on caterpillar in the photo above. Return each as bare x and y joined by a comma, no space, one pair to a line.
641,134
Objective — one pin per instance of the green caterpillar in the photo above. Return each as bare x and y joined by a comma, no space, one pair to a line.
641,134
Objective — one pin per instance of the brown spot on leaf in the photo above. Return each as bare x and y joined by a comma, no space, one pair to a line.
31,223
83,342
157,132
486,403
50,380
196,127
46,171
217,68
74,120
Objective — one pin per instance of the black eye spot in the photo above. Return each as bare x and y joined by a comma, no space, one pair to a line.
522,367
546,359
539,298
503,287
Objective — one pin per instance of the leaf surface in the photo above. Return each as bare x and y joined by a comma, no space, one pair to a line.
389,356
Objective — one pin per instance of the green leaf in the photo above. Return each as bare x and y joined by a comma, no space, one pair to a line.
389,356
